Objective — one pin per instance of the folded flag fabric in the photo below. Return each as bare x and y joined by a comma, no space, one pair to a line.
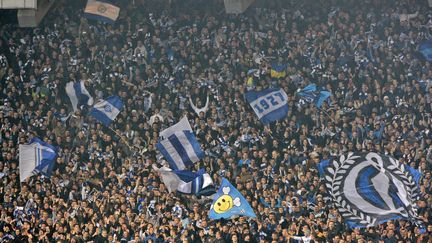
278,70
323,96
369,188
102,11
269,105
78,95
182,125
228,202
315,94
180,149
107,110
187,182
36,157
425,49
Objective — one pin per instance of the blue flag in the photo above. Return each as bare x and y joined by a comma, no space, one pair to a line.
180,149
229,202
36,157
269,105
369,189
315,94
425,49
107,110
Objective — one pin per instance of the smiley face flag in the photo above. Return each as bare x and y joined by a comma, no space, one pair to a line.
229,202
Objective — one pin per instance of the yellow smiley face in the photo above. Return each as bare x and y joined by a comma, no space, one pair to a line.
223,204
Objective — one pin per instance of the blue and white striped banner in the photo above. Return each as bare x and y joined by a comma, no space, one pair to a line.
181,150
38,156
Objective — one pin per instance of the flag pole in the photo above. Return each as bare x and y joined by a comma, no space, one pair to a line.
325,112
121,137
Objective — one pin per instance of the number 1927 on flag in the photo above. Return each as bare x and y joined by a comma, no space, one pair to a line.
269,105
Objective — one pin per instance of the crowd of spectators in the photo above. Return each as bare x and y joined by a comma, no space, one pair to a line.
167,59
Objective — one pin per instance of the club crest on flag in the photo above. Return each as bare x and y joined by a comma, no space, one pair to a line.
369,189
108,108
105,111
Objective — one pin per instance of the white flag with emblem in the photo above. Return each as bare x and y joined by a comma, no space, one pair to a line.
107,110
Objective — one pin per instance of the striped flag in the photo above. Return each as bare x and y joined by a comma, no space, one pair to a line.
180,149
182,125
102,11
38,156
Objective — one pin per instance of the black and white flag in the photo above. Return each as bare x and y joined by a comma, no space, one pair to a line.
369,189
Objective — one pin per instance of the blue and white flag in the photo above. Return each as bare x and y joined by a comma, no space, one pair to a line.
78,95
187,182
180,149
182,125
102,11
269,105
425,49
107,110
315,94
369,189
228,202
38,156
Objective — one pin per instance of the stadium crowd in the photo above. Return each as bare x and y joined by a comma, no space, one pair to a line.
165,59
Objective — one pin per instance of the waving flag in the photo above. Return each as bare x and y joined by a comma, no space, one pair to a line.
269,105
107,110
369,189
38,156
187,182
102,11
78,94
182,125
179,146
425,49
180,149
313,93
277,70
228,202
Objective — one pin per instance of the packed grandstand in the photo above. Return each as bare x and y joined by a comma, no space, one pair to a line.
295,121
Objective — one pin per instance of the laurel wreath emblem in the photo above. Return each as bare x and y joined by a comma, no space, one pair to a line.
335,175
